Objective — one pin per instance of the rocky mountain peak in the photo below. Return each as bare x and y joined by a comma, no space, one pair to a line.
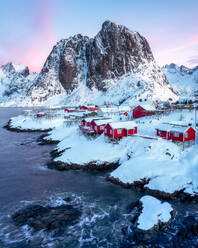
11,68
98,64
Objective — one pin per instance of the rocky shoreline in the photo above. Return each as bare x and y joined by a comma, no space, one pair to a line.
18,130
139,186
58,165
42,141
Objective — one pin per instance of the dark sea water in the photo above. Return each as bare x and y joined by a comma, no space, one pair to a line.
25,180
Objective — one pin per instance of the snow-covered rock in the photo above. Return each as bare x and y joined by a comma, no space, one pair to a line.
183,80
153,212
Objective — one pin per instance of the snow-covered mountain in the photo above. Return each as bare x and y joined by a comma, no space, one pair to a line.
15,81
183,80
116,66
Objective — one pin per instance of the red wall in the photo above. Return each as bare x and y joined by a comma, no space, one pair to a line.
108,128
115,133
172,136
191,134
141,112
163,134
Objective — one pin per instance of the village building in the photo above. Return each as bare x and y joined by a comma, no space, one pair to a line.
112,111
86,124
41,114
120,129
98,125
69,110
143,110
176,132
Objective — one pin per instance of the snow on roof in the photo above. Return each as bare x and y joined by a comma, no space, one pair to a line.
115,109
95,118
173,128
90,119
123,124
103,121
148,107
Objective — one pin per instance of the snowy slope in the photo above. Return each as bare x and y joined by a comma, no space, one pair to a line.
183,80
15,81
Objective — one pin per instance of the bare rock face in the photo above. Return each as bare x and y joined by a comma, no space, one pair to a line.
72,62
115,51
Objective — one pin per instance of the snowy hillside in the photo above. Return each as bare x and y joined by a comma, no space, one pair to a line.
183,80
15,82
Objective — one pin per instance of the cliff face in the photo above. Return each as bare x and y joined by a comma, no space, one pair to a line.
114,52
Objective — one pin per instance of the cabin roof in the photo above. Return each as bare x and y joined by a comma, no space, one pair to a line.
147,107
103,121
169,127
123,124
115,109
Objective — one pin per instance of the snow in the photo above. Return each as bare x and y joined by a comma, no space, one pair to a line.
103,121
31,122
183,80
123,124
18,67
147,107
153,211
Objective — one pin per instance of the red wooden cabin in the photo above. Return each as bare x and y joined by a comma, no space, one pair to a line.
92,109
39,115
83,107
163,131
182,133
144,110
98,125
120,129
87,122
176,132
69,110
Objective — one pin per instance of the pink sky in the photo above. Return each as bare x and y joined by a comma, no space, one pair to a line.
32,28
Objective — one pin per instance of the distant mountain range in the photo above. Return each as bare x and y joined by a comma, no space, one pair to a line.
183,80
116,66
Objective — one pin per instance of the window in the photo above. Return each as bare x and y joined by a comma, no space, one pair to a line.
111,132
176,134
96,128
186,135
105,130
119,131
101,127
